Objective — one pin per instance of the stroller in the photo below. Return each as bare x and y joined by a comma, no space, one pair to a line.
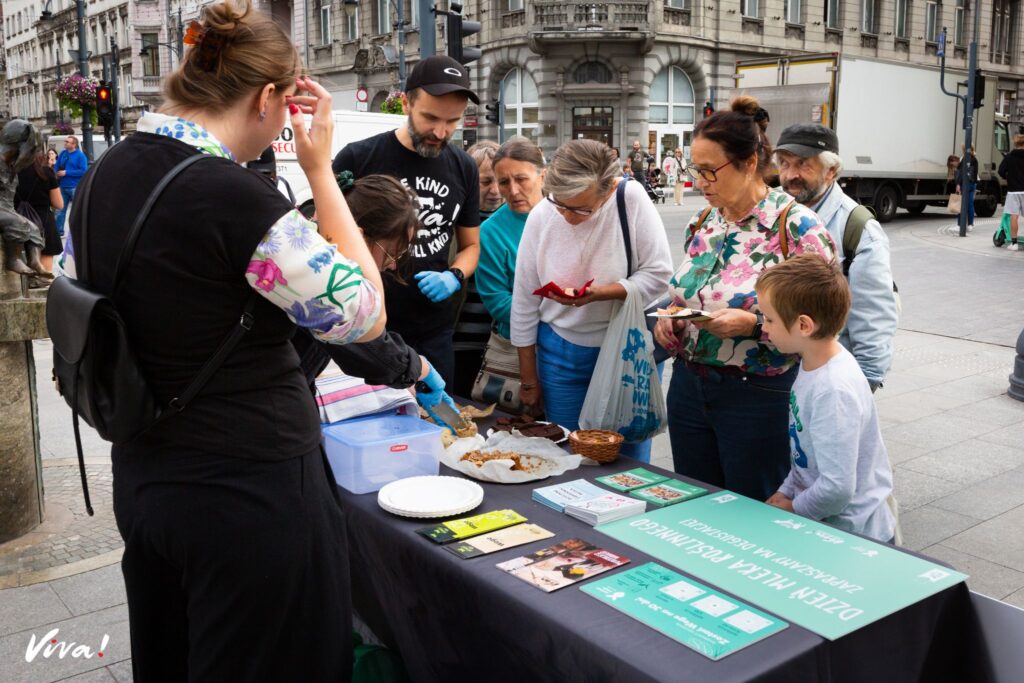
650,183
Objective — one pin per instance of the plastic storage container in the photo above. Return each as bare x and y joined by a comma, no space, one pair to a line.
368,452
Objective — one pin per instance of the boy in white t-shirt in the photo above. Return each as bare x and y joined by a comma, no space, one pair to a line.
840,470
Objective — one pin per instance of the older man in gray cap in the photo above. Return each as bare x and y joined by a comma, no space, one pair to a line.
807,157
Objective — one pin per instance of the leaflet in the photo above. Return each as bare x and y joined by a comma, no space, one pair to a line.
457,529
498,540
562,564
692,613
668,492
631,479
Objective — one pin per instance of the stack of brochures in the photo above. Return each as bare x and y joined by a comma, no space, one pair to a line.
558,496
607,507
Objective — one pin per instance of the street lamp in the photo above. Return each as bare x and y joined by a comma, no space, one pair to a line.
144,52
350,7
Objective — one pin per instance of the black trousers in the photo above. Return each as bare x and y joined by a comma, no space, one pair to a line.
235,570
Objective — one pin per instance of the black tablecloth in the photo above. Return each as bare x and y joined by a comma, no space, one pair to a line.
454,619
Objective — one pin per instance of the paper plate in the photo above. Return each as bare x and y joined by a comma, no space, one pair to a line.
430,496
491,432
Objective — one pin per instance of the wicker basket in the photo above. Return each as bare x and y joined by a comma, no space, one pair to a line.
599,445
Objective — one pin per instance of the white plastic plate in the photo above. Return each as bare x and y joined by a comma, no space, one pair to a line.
430,496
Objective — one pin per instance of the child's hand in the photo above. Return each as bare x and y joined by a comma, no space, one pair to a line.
780,501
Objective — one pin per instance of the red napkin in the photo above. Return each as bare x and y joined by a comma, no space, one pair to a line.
551,288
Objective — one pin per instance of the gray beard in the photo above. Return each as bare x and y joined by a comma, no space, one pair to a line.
807,194
419,143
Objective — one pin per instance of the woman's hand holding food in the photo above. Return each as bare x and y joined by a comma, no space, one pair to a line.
595,293
666,333
727,323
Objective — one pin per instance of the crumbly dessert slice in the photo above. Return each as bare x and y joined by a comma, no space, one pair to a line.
478,458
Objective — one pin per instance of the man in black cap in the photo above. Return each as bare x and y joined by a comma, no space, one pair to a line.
446,180
807,157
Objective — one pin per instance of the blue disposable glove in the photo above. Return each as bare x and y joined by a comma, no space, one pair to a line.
430,391
438,286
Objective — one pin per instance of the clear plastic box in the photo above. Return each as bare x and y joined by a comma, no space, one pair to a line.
368,452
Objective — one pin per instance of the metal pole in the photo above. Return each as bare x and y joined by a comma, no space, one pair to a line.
972,72
115,80
428,29
181,36
83,69
400,13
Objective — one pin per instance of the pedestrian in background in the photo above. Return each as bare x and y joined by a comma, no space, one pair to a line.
574,237
71,166
637,160
37,185
675,170
446,180
952,163
51,159
728,400
967,183
519,168
1012,170
473,323
807,157
235,555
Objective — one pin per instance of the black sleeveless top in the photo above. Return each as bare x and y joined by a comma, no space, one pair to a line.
185,291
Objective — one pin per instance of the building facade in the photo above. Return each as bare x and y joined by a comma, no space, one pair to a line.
623,70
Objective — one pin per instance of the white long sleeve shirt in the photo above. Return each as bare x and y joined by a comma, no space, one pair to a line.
552,250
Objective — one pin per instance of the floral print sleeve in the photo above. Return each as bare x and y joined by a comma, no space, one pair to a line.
720,268
298,271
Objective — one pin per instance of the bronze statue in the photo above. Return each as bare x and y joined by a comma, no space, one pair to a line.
23,240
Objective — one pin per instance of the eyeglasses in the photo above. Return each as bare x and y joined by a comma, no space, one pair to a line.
388,258
570,209
709,175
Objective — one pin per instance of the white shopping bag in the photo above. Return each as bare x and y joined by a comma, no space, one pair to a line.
625,393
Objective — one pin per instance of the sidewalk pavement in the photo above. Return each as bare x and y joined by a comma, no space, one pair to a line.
955,439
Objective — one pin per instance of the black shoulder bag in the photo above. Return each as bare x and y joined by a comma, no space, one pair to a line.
660,354
94,365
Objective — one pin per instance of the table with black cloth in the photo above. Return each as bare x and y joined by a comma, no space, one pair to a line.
455,619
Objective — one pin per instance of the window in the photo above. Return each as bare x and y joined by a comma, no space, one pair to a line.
151,61
931,22
832,14
901,19
513,5
677,4
414,14
749,8
792,11
383,16
869,16
519,94
592,72
958,23
325,22
1004,38
1003,102
352,25
671,97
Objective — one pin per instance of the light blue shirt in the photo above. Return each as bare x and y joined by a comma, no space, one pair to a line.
499,242
871,326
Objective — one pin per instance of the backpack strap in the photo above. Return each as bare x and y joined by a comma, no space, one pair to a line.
698,225
783,227
852,233
82,201
620,201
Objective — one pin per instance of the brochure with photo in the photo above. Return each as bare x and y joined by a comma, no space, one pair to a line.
606,508
632,479
558,496
466,527
668,492
563,564
520,534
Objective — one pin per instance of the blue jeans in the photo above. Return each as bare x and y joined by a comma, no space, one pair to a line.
67,194
970,202
730,431
564,370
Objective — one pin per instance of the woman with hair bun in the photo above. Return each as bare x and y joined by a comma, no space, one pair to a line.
235,561
728,401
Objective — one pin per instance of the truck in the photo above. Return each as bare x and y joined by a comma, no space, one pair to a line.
896,128
349,126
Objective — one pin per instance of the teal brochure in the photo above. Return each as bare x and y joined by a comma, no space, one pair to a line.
828,581
699,617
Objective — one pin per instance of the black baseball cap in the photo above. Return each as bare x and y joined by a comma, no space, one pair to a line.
440,75
808,140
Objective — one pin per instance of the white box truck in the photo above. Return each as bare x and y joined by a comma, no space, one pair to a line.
349,126
895,126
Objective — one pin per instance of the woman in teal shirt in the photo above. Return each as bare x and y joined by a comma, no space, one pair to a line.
519,169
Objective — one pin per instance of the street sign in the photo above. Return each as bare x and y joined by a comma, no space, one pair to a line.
469,122
361,106
362,96
941,51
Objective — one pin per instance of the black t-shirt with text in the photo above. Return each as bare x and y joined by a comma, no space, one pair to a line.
448,188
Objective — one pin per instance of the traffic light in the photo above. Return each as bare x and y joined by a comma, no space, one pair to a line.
708,109
457,30
493,111
105,104
979,90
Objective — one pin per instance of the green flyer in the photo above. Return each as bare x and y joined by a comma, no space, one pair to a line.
699,617
828,581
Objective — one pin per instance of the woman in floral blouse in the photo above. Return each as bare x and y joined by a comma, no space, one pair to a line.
728,400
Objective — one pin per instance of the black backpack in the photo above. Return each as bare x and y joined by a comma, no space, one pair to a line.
94,366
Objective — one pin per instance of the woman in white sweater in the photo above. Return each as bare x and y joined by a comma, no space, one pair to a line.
572,238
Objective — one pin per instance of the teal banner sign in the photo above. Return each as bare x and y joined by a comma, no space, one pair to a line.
697,616
828,581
